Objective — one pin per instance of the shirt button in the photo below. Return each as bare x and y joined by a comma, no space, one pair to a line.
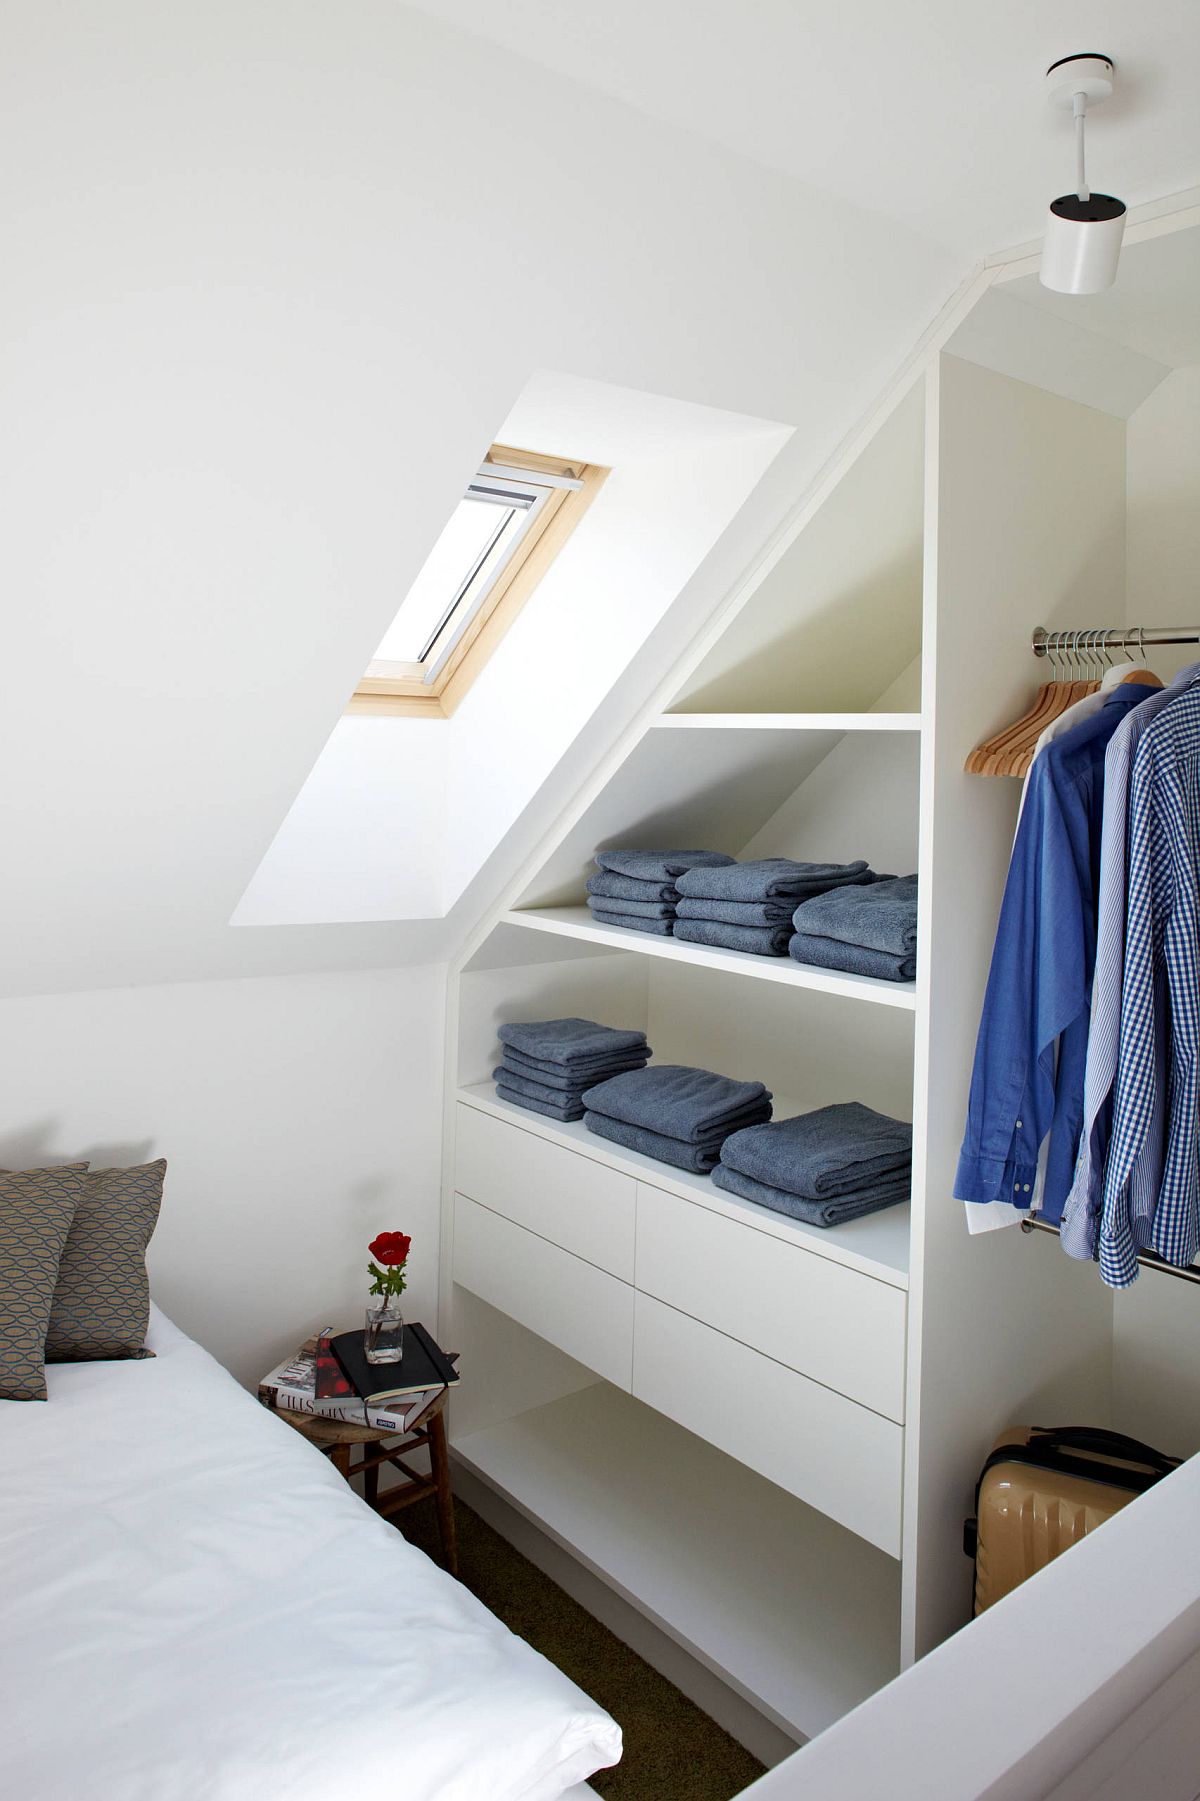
1020,1123
1016,1188
1027,1188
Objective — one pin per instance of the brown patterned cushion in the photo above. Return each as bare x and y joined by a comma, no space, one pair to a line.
102,1300
36,1210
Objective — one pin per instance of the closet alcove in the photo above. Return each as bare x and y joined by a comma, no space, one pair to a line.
761,1436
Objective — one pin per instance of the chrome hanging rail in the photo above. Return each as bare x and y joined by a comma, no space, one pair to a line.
1117,637
1147,1259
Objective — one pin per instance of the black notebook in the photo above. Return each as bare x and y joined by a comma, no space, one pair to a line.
423,1365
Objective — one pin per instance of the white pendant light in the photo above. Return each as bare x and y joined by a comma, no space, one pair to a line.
1083,230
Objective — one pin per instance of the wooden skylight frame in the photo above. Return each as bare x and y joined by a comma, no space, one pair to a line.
405,689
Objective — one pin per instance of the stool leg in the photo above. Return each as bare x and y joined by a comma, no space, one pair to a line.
371,1483
339,1456
439,1456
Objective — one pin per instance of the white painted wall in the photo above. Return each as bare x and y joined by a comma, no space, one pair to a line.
1162,552
298,1116
275,272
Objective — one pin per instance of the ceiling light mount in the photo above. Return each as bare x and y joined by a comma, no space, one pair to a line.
1084,230
1086,74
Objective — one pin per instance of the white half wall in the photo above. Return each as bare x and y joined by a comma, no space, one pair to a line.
298,1115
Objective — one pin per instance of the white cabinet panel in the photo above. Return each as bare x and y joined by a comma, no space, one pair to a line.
844,1329
839,1457
573,1201
579,1308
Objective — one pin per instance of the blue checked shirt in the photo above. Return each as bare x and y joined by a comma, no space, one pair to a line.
1081,1215
1159,1038
1031,1052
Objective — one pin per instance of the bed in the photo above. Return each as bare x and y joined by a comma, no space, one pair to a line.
196,1607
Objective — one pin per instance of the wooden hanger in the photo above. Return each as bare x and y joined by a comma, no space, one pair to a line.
1137,672
1010,752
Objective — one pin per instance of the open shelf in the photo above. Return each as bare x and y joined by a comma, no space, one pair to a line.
577,922
790,722
678,1529
877,1246
834,618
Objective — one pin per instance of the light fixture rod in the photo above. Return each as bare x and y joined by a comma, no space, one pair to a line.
1079,107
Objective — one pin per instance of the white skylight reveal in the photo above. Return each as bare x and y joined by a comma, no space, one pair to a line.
518,502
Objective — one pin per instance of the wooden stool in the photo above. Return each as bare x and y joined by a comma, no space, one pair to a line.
338,1437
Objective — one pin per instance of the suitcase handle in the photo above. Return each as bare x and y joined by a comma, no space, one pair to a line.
1105,1444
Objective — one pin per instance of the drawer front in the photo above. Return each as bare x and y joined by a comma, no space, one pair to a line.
840,1327
579,1308
581,1205
839,1457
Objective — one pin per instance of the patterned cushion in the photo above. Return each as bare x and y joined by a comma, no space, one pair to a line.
102,1300
36,1210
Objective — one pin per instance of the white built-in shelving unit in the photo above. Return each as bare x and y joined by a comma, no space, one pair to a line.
764,1436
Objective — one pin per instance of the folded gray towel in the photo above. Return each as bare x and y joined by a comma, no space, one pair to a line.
832,1151
633,921
578,1077
657,865
678,1101
813,1213
851,959
570,1110
699,1158
759,941
635,909
769,878
551,1098
610,886
737,913
880,917
570,1041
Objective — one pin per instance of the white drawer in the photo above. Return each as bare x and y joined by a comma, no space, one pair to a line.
579,1308
840,1327
579,1204
841,1458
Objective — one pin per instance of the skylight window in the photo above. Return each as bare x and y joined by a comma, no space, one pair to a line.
517,512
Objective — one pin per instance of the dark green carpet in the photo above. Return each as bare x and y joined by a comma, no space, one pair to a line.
673,1751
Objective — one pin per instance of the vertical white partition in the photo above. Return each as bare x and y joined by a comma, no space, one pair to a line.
1025,528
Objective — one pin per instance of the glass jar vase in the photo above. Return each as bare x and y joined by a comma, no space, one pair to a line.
383,1333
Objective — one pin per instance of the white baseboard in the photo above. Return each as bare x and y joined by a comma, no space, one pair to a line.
761,1737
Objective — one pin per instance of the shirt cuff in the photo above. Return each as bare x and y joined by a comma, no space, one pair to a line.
993,1179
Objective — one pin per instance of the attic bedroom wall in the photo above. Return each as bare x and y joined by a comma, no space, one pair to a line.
275,269
298,1115
275,272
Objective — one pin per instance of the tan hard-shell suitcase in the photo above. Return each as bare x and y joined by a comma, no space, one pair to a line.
1041,1489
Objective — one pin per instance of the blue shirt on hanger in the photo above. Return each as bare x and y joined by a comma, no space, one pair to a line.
1160,1005
1031,1051
1081,1215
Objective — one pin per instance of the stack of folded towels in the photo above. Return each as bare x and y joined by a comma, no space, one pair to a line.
868,931
674,1114
636,888
547,1063
749,906
824,1168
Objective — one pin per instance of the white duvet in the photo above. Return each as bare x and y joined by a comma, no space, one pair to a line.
195,1607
